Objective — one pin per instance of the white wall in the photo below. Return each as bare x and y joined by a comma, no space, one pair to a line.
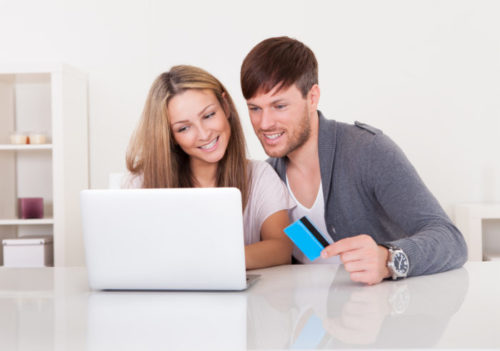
426,72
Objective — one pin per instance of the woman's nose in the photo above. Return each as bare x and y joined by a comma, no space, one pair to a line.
204,134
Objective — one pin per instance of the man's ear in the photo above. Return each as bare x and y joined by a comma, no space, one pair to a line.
313,97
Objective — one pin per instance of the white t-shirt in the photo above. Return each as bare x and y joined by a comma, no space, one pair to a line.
267,195
316,215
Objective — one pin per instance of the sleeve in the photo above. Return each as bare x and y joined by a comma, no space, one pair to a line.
431,241
131,181
269,193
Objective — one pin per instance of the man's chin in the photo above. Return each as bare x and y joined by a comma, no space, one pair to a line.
273,152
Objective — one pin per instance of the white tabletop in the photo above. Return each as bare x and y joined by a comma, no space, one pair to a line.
299,306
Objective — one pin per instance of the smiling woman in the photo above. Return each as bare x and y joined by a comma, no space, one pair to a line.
201,129
190,135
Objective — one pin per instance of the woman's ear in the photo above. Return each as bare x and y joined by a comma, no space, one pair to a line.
225,105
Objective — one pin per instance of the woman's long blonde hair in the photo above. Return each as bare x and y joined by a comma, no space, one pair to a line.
152,152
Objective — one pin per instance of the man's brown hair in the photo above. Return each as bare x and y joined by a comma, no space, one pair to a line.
279,61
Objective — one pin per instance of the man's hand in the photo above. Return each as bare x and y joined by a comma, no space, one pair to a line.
362,258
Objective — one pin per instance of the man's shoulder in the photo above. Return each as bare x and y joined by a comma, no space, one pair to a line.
360,129
367,128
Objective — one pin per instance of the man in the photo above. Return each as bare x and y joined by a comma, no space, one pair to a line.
352,181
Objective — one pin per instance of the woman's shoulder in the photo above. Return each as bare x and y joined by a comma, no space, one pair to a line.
258,167
132,181
267,188
262,175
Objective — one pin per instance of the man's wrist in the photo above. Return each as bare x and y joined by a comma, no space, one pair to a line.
384,254
397,262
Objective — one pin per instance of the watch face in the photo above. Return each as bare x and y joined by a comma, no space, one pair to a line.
401,263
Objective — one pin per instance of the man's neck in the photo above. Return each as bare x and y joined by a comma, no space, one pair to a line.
305,159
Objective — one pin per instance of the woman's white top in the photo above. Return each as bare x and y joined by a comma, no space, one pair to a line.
267,195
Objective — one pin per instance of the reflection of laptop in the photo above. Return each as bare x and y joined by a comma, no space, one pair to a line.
164,239
172,321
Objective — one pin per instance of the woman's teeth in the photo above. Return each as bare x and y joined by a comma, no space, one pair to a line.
211,145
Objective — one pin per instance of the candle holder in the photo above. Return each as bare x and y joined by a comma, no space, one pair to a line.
18,138
30,207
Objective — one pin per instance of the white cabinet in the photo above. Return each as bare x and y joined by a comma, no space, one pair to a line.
473,220
49,99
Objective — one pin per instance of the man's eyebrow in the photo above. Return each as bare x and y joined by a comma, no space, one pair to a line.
278,100
271,103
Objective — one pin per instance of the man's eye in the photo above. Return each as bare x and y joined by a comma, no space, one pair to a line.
280,107
254,109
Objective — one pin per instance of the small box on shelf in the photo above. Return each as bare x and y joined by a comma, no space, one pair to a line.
28,252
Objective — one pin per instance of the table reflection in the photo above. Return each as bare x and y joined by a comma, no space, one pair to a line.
330,311
166,320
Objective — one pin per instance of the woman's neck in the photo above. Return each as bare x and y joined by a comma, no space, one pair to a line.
204,174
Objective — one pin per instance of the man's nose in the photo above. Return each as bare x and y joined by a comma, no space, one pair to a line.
266,120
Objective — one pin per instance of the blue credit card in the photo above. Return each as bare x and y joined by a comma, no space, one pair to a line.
306,237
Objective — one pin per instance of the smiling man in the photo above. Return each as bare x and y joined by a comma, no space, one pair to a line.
352,181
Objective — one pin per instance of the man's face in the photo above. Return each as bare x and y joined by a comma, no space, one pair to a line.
281,120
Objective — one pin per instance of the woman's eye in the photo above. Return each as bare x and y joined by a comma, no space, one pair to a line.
182,129
210,115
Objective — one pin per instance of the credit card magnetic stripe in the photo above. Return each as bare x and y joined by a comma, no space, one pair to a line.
314,231
306,237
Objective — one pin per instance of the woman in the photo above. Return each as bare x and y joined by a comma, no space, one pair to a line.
190,136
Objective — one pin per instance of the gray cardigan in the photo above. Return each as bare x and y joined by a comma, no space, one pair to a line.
370,187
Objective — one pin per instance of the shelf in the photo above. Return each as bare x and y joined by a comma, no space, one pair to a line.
11,147
35,221
469,219
492,256
51,100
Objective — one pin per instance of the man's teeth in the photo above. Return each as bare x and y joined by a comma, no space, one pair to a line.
209,146
273,136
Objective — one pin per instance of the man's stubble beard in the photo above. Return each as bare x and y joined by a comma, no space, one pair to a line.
299,138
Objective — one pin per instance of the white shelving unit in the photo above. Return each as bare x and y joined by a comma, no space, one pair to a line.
470,219
25,147
49,99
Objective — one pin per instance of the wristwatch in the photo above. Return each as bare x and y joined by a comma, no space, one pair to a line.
398,262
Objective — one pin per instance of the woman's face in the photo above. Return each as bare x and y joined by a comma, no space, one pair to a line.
199,125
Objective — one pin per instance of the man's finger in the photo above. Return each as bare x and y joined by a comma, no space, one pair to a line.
343,245
355,266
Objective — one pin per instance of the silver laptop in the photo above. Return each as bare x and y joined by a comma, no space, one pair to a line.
164,239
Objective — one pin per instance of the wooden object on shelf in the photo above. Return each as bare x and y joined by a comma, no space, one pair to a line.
49,100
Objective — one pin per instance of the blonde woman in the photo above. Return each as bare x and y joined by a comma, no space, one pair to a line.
190,135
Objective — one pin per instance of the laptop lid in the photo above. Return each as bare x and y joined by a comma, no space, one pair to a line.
164,239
